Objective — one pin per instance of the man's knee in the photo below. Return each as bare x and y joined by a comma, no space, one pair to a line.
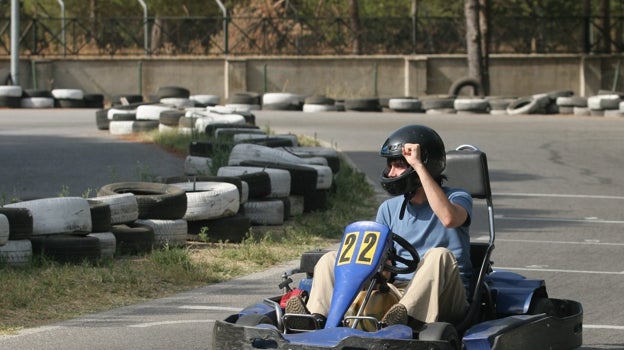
439,253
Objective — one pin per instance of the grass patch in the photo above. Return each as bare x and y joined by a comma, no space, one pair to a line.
47,292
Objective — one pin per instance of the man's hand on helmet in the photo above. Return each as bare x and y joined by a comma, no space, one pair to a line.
411,153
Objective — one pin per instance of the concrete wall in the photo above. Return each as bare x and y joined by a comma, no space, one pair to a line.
339,77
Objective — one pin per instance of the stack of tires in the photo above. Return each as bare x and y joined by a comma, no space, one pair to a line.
60,229
16,228
299,179
13,96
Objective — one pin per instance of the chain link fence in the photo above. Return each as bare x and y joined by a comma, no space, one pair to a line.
217,36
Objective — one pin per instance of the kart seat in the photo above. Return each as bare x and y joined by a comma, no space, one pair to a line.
466,168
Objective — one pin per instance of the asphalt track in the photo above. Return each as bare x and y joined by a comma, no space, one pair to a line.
558,196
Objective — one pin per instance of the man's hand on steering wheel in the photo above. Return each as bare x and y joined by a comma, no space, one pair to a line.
410,264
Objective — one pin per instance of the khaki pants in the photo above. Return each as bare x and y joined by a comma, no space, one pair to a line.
435,294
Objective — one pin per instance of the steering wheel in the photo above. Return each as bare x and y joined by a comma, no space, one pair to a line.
410,264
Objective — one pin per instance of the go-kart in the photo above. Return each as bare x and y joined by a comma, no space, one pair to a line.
507,310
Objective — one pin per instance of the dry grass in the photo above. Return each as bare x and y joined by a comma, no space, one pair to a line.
47,292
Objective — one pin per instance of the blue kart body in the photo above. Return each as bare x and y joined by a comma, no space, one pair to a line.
508,311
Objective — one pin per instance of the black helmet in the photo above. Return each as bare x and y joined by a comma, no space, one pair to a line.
432,153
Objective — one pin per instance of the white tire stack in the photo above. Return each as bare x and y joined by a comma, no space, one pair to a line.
58,215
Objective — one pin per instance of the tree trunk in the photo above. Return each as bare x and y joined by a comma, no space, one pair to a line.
484,25
605,26
354,13
473,40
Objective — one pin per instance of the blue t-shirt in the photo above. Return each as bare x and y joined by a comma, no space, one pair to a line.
422,228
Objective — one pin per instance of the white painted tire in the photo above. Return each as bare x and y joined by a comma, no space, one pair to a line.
280,179
124,207
236,107
247,137
112,111
248,151
4,229
121,127
11,90
315,108
37,102
212,118
209,200
167,232
178,102
16,253
194,165
152,112
68,94
471,104
206,100
404,104
325,176
58,215
604,102
108,244
265,212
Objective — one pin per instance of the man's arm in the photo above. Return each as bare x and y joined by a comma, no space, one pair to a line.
450,214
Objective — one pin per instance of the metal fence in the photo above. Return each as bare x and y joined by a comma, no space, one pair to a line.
216,36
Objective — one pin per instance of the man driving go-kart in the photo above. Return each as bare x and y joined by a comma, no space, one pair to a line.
432,218
411,280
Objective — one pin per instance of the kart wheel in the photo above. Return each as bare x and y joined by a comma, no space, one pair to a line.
253,320
440,331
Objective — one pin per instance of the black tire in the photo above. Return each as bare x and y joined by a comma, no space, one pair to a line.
259,184
124,117
170,118
20,222
210,129
69,103
319,100
315,200
36,93
67,248
101,119
270,141
144,126
363,105
133,239
100,216
252,320
250,98
94,100
10,101
440,331
155,200
232,228
172,91
438,103
458,85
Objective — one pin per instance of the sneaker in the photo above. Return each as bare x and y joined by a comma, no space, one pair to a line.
397,314
295,305
298,318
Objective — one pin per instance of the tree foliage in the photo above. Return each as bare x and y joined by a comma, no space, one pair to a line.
303,8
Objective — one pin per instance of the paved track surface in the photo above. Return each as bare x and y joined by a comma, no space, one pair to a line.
558,196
